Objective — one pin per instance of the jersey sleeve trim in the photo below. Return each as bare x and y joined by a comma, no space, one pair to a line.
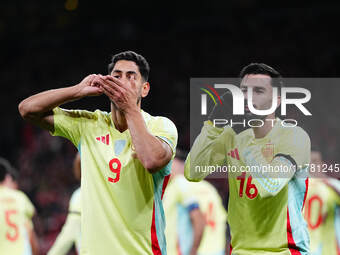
288,157
192,207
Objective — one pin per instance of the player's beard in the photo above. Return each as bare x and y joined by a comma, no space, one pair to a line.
251,116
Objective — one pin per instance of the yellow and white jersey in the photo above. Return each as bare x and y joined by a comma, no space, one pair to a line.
180,198
121,209
71,231
16,212
322,204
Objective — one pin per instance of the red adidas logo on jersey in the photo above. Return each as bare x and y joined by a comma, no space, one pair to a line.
104,139
234,154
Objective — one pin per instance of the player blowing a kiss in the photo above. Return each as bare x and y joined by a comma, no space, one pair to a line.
264,208
125,157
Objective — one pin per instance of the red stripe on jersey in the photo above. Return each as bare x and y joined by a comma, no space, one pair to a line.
337,249
304,199
230,249
165,183
156,250
178,248
291,243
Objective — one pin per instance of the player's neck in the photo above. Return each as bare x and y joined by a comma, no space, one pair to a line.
119,119
261,132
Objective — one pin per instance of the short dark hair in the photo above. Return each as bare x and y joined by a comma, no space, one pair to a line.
14,174
261,68
316,148
5,168
140,61
181,154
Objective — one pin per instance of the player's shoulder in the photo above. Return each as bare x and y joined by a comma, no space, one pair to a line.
75,195
246,134
157,120
205,187
289,134
15,196
24,199
316,182
291,129
181,184
7,192
100,115
83,113
75,201
179,180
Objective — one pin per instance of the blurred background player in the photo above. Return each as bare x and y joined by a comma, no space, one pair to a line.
71,231
322,209
17,236
12,180
195,216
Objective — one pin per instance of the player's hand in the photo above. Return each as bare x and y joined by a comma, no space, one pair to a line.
225,112
122,93
87,88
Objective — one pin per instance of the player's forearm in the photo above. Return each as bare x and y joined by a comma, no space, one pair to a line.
66,238
191,174
34,243
208,150
38,104
270,178
198,224
150,150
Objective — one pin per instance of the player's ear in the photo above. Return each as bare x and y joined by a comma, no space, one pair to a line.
145,89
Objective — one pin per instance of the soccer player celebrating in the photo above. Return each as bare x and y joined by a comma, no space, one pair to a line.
71,232
265,208
125,157
195,216
17,236
322,209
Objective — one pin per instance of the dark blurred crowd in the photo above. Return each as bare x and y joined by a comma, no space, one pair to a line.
49,44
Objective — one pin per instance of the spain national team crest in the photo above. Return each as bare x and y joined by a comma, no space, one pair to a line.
268,152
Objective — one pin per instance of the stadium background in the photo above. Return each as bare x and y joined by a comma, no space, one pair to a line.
49,44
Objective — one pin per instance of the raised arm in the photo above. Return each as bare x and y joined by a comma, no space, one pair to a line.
68,235
37,109
153,149
209,149
291,159
153,152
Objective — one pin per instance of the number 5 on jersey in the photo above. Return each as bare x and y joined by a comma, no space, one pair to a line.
12,234
115,167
